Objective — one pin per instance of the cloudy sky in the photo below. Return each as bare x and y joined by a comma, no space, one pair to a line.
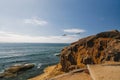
56,21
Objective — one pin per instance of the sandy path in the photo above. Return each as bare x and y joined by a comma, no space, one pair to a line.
105,71
75,76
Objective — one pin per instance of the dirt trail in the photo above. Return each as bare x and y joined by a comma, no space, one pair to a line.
109,71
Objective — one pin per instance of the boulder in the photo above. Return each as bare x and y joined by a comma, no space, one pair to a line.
13,70
7,75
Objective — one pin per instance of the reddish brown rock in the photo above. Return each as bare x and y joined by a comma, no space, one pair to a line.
95,49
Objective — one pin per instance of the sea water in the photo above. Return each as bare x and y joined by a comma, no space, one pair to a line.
40,54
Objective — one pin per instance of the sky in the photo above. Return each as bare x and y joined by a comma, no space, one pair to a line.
56,21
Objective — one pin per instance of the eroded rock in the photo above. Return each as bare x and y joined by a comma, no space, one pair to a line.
12,71
104,46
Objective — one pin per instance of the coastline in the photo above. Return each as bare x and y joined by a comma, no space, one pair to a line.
99,52
54,73
49,72
41,55
91,72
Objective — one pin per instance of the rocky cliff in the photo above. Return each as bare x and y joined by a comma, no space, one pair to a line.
104,46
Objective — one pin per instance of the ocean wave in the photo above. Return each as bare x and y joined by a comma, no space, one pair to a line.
39,54
57,54
20,55
1,71
39,65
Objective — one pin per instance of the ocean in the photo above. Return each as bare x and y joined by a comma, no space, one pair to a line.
41,54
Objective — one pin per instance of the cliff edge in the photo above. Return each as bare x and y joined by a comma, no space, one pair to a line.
96,49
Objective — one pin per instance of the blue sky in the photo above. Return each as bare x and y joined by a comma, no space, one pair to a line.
47,20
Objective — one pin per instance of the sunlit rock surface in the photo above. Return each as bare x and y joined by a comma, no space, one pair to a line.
95,49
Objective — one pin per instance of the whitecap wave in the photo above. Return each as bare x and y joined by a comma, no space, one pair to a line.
39,65
57,54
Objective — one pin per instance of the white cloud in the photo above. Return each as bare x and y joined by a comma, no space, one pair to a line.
12,37
35,21
74,30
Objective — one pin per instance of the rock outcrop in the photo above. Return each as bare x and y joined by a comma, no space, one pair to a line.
15,69
95,49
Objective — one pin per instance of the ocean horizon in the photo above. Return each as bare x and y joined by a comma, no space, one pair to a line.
40,54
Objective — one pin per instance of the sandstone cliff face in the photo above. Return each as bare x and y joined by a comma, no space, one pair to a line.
94,49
